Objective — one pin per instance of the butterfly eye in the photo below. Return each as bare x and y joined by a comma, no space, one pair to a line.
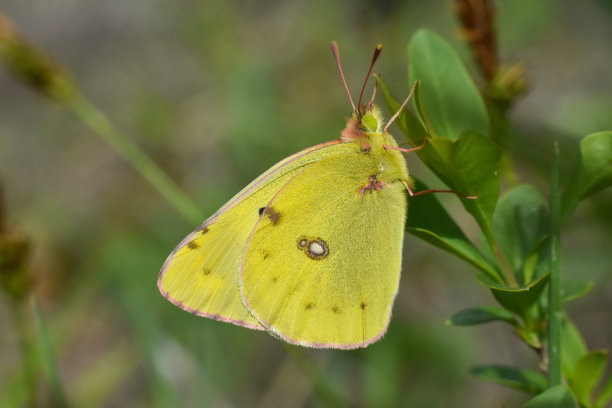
369,122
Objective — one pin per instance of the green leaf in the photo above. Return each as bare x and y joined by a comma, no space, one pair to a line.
572,346
469,165
408,123
451,103
517,300
428,220
586,375
519,223
537,262
513,377
529,336
605,394
556,397
480,315
593,171
574,288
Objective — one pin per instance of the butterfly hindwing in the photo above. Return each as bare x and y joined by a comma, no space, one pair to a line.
321,267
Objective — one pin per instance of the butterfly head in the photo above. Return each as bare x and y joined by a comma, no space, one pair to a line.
366,125
366,120
360,125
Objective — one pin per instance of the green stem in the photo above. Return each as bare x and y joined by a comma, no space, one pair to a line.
47,357
97,122
37,354
507,273
28,350
42,73
554,303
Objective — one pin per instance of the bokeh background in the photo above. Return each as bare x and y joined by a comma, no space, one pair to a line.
216,92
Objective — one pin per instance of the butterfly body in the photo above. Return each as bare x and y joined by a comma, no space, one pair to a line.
310,251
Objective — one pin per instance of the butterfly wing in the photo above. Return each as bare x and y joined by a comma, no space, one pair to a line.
321,267
201,274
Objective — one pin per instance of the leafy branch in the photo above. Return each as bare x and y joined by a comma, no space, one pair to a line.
519,256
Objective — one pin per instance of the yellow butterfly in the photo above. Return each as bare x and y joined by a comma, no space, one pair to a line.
311,250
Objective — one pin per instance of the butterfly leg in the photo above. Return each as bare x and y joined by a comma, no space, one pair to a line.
431,191
407,150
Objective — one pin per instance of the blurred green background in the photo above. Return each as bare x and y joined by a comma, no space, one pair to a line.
216,92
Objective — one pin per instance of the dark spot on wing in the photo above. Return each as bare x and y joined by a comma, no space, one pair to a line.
205,271
274,279
363,305
265,254
204,230
309,306
273,215
336,309
261,210
193,244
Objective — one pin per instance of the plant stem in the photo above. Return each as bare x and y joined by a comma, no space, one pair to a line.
28,350
507,273
47,358
506,270
96,121
42,73
554,303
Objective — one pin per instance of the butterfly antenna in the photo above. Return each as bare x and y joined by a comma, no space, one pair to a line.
377,52
371,102
402,107
336,53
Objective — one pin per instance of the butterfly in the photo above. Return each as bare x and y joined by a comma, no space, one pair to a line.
311,250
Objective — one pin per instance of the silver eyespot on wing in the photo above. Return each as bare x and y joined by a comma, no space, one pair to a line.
314,248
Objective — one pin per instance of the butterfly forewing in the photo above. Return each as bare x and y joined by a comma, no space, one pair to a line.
321,267
198,275
201,274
